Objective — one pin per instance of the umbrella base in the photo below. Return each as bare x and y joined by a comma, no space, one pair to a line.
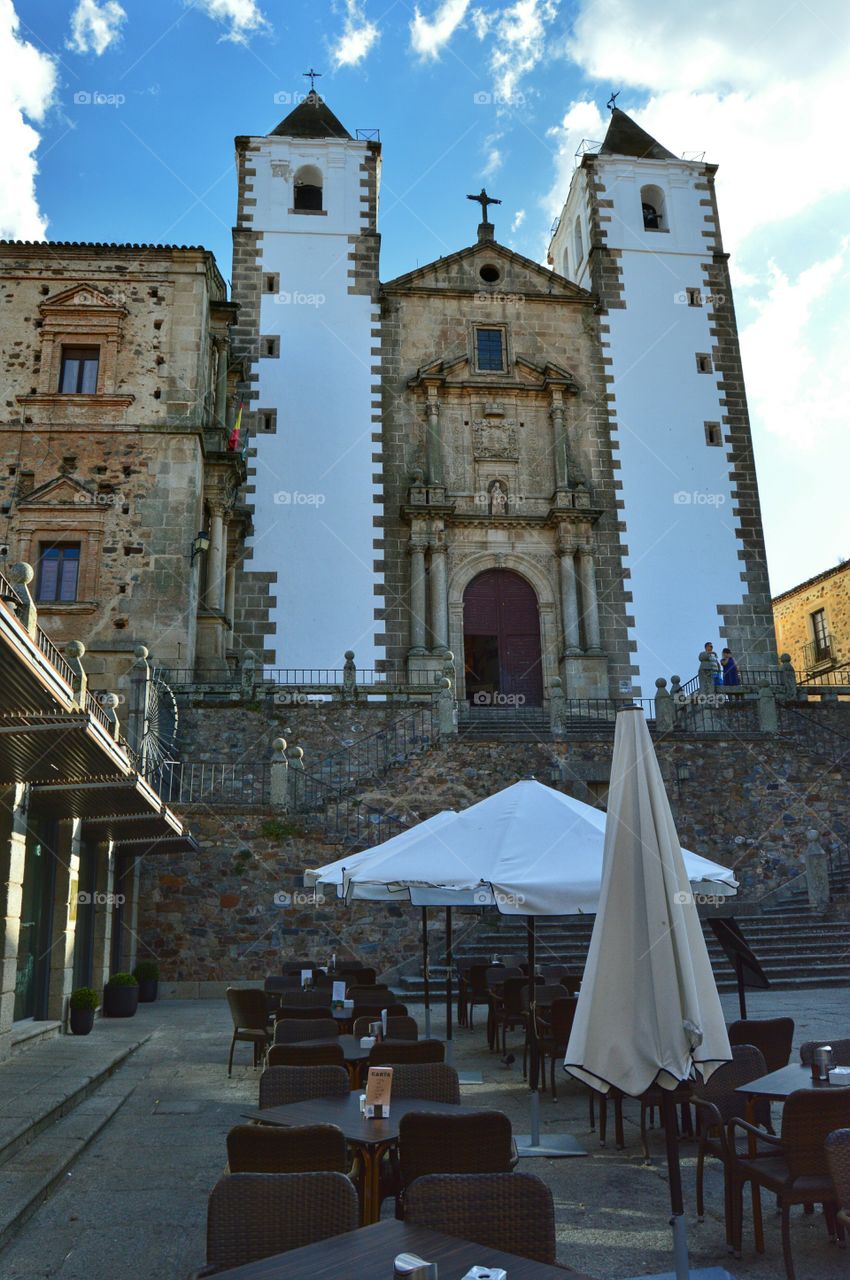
551,1145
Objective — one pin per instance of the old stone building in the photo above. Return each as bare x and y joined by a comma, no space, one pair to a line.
117,483
813,624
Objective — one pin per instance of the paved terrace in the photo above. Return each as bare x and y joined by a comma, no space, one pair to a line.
134,1202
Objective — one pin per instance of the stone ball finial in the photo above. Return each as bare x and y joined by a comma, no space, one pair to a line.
557,682
675,679
141,651
21,573
75,649
297,753
279,745
349,655
811,835
445,683
661,683
448,656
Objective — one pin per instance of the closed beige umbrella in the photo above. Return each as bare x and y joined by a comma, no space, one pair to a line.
648,1011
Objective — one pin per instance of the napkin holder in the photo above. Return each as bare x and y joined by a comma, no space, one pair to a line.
410,1266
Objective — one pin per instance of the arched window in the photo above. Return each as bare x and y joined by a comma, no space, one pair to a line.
578,246
567,263
653,208
308,190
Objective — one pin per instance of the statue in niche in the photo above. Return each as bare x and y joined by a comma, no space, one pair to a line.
498,499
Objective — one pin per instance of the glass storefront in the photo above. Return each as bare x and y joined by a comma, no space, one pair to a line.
33,972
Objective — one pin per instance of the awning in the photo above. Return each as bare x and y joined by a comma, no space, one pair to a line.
97,797
35,674
56,747
165,844
122,827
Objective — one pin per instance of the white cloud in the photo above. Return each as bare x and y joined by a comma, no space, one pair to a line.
357,38
519,219
428,36
494,159
27,88
519,35
95,25
243,17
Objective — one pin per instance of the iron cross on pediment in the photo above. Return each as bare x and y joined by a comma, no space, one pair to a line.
484,200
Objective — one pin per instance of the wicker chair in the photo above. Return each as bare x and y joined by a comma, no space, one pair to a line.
838,1159
554,1034
327,1054
253,1215
840,1051
301,1011
281,1085
572,983
508,1009
508,1211
399,1027
797,1172
291,1030
295,998
431,1081
554,972
716,1103
774,1036
476,1142
250,1014
267,1148
373,1012
386,1054
477,990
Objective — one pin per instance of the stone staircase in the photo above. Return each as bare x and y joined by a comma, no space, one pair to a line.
55,1098
796,947
506,724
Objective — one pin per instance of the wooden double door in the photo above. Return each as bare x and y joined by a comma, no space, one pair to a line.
501,637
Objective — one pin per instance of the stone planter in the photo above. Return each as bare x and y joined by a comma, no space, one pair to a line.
81,1021
120,1002
148,988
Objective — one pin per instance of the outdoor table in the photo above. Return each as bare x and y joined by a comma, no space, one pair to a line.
372,1138
355,1053
775,1087
372,1250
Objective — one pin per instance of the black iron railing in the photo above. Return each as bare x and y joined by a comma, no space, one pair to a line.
213,782
829,743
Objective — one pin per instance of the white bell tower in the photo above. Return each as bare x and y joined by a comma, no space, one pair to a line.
305,276
640,229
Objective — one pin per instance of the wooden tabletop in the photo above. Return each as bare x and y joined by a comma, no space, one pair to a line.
345,1113
778,1084
352,1048
372,1250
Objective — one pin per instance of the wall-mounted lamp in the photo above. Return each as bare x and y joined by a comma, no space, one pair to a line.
201,543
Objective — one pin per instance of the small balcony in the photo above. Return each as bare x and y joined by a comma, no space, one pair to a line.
819,653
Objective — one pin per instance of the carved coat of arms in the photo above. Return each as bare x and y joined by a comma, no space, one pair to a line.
494,438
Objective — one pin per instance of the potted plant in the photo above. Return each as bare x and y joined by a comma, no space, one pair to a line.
82,1004
120,996
147,972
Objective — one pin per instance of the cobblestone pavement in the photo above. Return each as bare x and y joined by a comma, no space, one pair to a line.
134,1204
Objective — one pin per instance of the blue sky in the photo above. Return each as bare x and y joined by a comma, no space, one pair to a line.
466,93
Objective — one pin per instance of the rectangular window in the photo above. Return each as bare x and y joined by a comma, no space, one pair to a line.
694,297
820,635
58,571
490,349
271,282
267,420
270,348
704,363
713,434
79,371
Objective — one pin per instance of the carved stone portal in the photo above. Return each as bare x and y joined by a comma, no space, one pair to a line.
494,439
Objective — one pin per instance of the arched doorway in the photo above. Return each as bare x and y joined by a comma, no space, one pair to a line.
501,641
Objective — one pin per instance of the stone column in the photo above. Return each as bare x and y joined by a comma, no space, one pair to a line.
66,885
569,599
557,708
13,849
104,889
418,604
433,444
216,561
221,346
230,601
665,708
590,603
129,886
439,598
816,863
559,444
295,778
768,717
279,775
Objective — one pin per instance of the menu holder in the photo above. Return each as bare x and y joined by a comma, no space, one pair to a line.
338,995
306,979
379,1085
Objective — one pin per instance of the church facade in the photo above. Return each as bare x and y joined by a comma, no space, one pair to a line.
564,485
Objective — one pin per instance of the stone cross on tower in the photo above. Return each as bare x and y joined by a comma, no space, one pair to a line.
485,227
312,76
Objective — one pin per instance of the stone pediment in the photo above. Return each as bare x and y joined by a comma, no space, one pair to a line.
86,296
63,491
460,273
526,374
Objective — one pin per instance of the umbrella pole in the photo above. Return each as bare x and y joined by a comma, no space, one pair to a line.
425,973
742,998
555,1144
448,984
677,1206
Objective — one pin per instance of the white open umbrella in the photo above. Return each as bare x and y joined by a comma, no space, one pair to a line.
648,1011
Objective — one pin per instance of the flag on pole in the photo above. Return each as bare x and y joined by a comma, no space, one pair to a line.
233,442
